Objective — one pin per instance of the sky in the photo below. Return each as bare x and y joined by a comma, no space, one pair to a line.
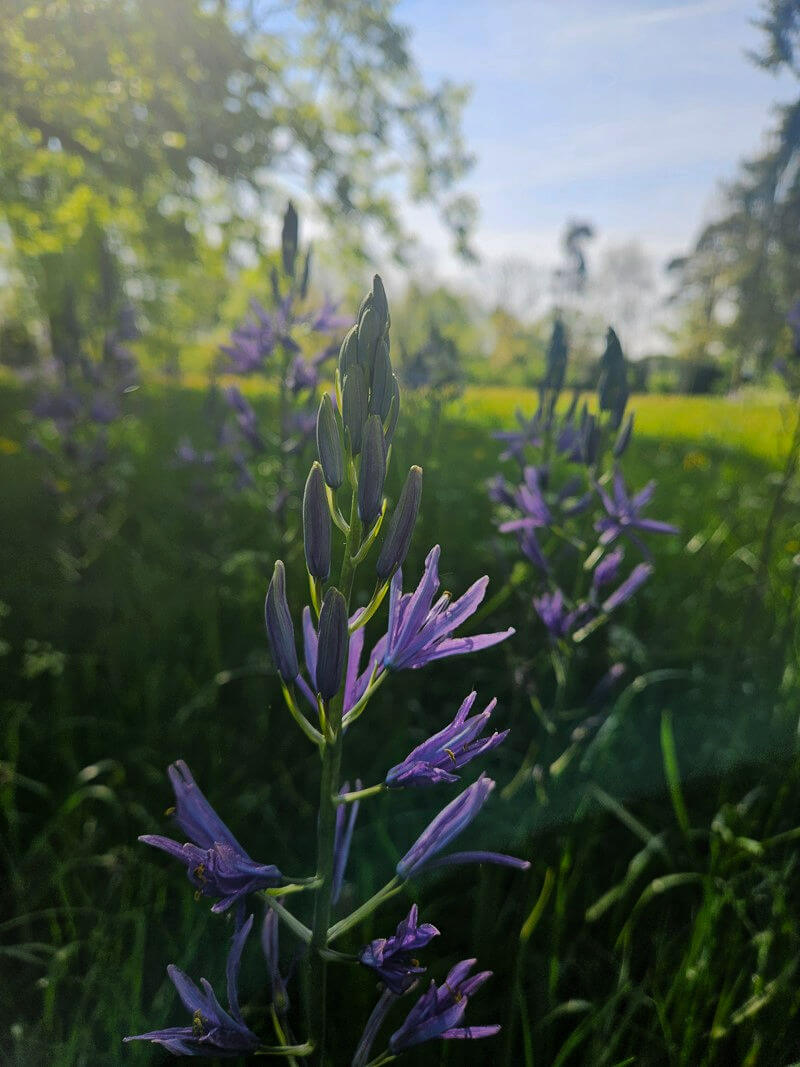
627,114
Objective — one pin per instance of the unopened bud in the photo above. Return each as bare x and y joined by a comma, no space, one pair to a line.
317,525
329,444
348,353
401,526
372,473
354,407
380,303
279,626
381,394
368,332
394,411
289,239
333,644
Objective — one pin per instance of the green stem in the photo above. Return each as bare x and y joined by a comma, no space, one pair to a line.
366,909
360,794
297,928
326,821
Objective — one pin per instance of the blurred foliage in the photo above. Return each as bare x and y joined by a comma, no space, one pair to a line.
140,143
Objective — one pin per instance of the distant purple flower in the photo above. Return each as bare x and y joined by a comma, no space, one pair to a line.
447,825
246,418
560,621
188,454
530,547
392,958
419,631
452,748
342,839
500,491
326,320
607,569
216,864
623,514
302,375
628,588
103,410
529,434
214,1031
439,1011
529,498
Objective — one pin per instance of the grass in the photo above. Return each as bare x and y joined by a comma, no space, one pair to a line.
657,925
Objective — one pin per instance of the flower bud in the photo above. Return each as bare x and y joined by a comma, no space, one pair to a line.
394,411
348,353
368,330
279,626
354,407
289,239
556,358
372,473
329,444
380,303
401,526
333,644
382,386
317,525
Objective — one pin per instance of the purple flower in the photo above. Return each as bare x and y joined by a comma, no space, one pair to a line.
499,491
302,375
419,631
214,1031
342,839
452,748
270,948
392,958
246,418
553,611
629,587
447,825
529,433
439,1011
215,861
623,514
607,569
529,498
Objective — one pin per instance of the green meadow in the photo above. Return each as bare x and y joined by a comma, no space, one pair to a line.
659,923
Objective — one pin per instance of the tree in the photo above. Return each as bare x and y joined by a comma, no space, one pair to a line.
743,275
142,144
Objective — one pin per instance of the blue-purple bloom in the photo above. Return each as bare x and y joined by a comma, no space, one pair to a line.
271,950
216,864
342,839
628,588
419,631
392,958
452,748
439,1011
214,1031
447,825
246,418
560,620
623,514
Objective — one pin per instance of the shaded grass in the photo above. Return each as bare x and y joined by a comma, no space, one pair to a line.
158,652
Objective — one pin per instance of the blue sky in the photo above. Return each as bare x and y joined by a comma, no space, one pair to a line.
624,113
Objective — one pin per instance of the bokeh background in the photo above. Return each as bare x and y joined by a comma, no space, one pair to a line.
503,166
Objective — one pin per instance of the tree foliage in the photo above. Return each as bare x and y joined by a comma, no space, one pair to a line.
142,144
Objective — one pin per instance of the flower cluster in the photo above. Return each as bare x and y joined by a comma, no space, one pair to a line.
326,694
571,512
77,418
289,343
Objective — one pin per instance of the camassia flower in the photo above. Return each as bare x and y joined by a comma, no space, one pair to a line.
420,631
214,1031
554,612
623,514
440,1010
452,748
392,958
447,825
215,862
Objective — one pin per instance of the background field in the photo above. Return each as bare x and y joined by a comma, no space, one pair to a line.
158,652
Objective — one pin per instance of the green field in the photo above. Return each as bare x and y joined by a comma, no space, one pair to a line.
662,923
